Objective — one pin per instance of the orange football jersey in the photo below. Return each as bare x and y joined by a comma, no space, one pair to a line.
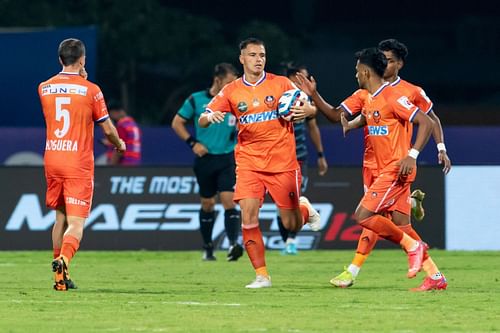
354,105
71,105
416,95
265,141
387,112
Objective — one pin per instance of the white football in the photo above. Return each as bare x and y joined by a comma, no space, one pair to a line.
287,100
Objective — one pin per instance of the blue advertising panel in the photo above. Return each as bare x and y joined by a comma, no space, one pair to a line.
28,57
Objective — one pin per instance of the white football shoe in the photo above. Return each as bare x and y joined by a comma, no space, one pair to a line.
260,282
314,218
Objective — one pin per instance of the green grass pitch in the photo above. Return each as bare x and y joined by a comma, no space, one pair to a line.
177,292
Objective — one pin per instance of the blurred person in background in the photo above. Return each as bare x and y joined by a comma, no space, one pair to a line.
214,164
300,127
129,132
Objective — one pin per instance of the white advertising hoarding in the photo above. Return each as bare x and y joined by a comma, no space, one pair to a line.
472,195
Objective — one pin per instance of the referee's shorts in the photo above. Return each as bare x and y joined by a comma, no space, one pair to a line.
215,173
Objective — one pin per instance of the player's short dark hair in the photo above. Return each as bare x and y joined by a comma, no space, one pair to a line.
291,68
373,58
399,49
251,40
222,69
70,50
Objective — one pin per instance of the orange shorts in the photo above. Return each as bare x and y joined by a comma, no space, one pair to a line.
283,187
388,193
75,195
369,176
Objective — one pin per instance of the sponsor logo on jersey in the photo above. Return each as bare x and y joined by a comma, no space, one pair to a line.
242,107
378,130
258,117
64,88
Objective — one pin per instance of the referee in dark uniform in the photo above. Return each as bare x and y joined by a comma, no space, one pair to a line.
214,164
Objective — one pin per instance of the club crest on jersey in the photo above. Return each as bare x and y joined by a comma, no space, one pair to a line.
376,116
242,107
269,100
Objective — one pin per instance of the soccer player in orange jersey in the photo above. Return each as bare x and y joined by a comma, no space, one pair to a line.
71,105
386,114
265,153
395,53
370,69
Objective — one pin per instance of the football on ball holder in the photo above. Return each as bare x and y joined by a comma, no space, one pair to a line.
290,98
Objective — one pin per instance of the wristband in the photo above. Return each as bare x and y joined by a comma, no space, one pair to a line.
191,141
441,147
413,153
320,154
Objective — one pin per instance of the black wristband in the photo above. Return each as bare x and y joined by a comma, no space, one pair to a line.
191,141
320,154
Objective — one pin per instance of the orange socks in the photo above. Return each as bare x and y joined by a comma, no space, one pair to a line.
56,252
359,259
69,247
408,243
408,229
430,267
366,242
254,245
305,214
383,227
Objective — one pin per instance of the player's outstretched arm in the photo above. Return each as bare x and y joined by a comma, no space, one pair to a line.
309,87
438,135
347,125
425,127
112,135
207,118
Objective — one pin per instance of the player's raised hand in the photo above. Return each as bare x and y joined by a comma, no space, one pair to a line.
304,84
445,161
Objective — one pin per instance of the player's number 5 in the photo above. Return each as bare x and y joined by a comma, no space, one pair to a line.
62,114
